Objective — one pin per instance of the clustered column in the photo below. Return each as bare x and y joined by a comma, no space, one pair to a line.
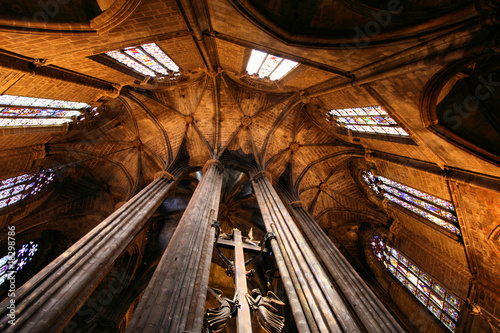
51,298
373,315
316,305
174,300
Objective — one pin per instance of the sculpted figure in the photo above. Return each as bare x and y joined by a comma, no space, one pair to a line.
215,319
266,312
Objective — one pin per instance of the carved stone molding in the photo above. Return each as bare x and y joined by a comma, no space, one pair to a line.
164,175
217,164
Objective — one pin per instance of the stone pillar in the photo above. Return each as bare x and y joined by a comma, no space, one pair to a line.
51,298
174,300
317,306
370,311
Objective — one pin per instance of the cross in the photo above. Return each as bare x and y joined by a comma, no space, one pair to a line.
244,318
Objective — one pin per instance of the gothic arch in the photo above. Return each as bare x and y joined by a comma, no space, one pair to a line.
109,18
440,87
314,31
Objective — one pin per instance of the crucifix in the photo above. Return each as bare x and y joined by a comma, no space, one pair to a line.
237,268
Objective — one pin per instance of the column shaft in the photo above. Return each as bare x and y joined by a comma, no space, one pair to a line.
320,303
369,309
174,299
51,298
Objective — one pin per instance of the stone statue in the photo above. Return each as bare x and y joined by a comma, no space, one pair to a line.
215,319
266,315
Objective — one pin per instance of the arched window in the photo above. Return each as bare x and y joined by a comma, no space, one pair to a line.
16,188
436,210
20,111
370,119
147,59
10,265
268,65
429,292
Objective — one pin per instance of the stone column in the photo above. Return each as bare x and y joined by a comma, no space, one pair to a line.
309,289
51,298
174,300
370,311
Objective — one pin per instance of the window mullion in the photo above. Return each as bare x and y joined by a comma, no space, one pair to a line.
275,68
262,63
154,59
135,60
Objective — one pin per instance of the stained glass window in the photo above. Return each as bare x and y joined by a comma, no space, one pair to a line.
19,111
436,210
429,292
370,119
16,188
147,59
9,266
268,65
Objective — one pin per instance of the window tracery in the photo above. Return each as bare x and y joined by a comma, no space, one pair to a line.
9,266
370,119
147,59
429,292
269,66
16,188
436,210
20,111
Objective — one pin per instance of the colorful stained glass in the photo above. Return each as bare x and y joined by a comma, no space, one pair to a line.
268,65
450,311
440,290
145,59
453,301
34,102
355,119
421,297
126,60
434,309
423,287
17,188
283,69
148,59
443,203
428,216
448,323
27,113
22,122
160,56
413,199
11,265
414,268
419,202
378,246
255,61
413,278
412,288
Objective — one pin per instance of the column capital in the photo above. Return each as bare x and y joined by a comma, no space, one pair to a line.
262,174
298,204
164,174
217,164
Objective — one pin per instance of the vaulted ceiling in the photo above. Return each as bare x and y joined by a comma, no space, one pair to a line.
217,111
